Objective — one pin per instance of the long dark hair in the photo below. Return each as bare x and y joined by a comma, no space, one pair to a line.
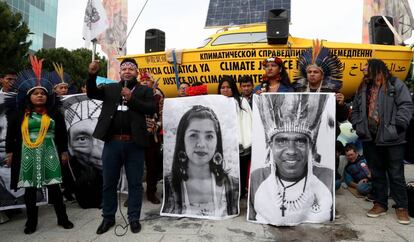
51,106
233,87
180,159
284,76
376,67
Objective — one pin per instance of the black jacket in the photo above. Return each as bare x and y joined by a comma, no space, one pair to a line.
141,103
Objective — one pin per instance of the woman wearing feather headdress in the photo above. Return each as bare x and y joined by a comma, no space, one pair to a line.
36,143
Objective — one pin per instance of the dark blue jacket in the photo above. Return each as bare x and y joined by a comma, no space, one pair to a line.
356,171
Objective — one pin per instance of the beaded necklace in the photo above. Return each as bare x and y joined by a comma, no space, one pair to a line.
44,126
282,196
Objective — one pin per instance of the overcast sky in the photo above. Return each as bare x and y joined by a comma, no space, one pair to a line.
183,21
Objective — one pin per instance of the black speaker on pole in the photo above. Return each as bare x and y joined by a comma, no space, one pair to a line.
154,40
277,26
379,32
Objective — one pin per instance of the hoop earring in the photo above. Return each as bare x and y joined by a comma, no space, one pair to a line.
217,159
218,166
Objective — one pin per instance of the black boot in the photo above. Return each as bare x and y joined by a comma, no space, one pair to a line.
105,226
153,198
62,217
31,210
66,224
31,222
56,199
68,195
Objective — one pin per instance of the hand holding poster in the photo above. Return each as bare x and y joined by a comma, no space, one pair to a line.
201,157
291,177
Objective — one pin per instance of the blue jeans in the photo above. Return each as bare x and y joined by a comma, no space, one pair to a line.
115,154
338,184
364,188
383,161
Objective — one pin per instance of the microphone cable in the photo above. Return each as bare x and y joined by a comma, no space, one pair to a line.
118,225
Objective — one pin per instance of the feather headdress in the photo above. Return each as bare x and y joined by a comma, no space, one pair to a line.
319,57
29,80
291,113
59,77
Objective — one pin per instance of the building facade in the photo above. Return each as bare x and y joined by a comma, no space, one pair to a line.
41,17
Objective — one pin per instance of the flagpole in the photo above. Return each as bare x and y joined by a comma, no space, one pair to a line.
95,22
93,49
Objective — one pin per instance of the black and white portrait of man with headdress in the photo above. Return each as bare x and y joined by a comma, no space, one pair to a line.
81,116
291,173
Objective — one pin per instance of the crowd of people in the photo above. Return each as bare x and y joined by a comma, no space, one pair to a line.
130,129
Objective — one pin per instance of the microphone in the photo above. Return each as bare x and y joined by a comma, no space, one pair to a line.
125,85
123,97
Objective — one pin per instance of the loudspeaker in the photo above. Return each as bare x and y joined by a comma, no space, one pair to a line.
277,26
379,33
154,40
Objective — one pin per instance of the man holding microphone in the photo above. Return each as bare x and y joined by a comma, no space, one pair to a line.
121,125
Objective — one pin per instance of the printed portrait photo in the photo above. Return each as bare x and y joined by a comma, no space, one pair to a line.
85,164
293,159
201,157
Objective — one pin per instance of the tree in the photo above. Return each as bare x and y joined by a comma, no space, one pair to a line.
83,57
13,35
75,63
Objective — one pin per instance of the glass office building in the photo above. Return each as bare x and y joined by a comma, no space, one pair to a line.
41,17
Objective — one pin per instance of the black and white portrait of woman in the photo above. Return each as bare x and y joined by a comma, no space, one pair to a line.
201,166
293,157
